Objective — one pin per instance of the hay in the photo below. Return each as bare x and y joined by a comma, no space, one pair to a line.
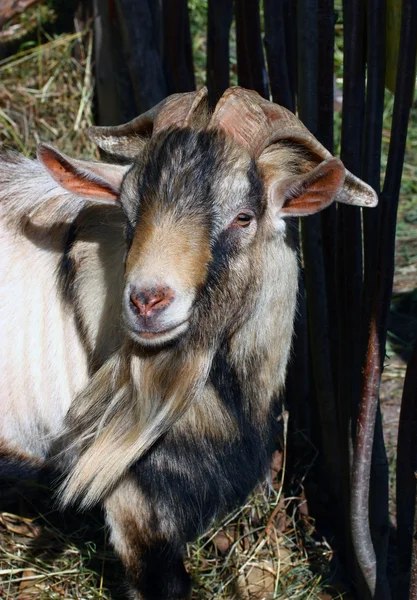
46,95
266,549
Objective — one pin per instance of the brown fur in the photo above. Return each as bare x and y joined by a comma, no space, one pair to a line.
146,396
7,452
183,249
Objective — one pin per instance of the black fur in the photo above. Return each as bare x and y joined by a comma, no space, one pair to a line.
66,268
196,480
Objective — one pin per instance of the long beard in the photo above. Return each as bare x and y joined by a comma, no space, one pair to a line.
138,395
130,403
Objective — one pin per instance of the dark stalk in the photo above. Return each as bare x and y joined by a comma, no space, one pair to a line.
276,53
406,486
390,193
220,16
325,73
376,17
361,464
371,164
114,97
349,219
326,18
361,470
251,71
178,55
307,63
315,279
141,54
413,583
349,257
290,23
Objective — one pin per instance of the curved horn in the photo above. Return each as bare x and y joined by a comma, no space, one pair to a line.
125,140
257,123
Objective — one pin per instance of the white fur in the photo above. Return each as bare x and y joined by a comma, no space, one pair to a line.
42,360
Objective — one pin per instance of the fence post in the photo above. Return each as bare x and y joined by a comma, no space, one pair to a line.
220,16
406,486
178,56
251,70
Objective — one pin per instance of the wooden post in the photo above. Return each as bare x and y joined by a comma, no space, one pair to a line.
141,52
178,56
251,69
312,243
406,486
220,15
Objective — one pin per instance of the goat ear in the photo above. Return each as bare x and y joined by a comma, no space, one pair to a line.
309,193
93,180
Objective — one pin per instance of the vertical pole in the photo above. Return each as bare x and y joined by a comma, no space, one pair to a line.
406,486
371,169
220,16
315,279
178,56
251,70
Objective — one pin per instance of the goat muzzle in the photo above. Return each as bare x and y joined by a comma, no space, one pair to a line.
149,302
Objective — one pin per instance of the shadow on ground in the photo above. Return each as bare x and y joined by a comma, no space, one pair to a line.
43,535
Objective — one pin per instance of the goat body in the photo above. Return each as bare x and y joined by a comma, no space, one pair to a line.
157,346
42,357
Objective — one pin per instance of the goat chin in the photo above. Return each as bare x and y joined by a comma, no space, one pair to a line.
157,339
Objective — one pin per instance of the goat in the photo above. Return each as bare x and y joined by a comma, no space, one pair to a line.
157,357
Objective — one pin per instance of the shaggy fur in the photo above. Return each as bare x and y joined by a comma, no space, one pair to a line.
195,422
168,435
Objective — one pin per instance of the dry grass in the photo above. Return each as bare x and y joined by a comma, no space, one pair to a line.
46,95
249,556
265,550
40,562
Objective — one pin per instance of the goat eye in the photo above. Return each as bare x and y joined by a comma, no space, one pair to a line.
243,220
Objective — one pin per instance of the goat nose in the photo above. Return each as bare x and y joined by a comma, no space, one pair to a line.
148,301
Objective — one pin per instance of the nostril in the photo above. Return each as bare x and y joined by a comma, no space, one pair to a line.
136,303
149,300
156,298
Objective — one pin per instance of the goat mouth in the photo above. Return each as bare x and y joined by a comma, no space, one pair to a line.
157,337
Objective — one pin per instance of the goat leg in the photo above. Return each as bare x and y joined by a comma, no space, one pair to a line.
147,544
